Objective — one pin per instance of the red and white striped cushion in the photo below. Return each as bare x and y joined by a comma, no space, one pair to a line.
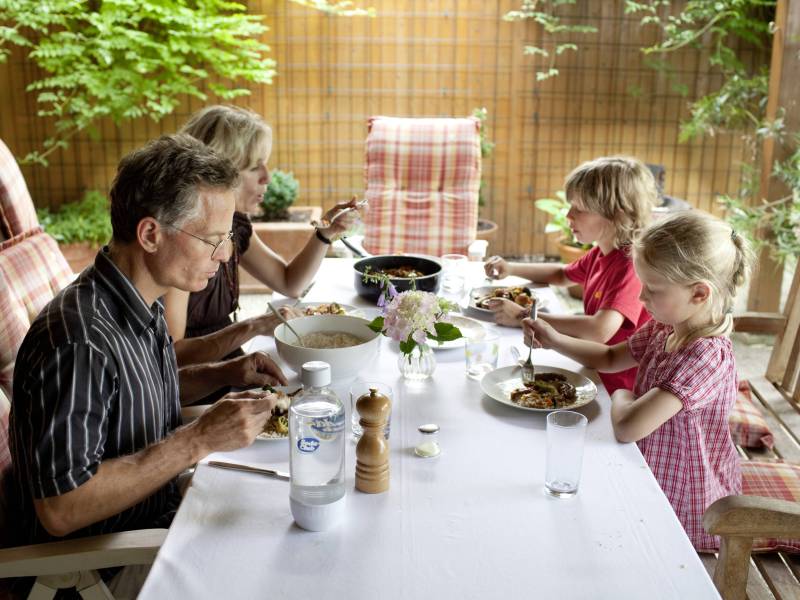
422,178
32,271
772,479
17,214
746,421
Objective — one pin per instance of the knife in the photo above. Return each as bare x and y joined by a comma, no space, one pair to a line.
248,469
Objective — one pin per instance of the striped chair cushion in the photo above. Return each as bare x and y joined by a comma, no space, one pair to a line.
746,421
32,271
17,214
772,479
422,177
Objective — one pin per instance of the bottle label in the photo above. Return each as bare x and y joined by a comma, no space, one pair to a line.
328,427
308,444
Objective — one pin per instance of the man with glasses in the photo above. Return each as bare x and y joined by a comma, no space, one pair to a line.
95,429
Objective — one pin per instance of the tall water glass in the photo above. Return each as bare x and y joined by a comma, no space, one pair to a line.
566,432
358,389
454,272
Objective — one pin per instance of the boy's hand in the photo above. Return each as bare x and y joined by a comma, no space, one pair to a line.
506,312
496,268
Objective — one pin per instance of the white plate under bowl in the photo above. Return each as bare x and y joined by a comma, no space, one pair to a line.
485,313
344,362
499,384
348,308
470,328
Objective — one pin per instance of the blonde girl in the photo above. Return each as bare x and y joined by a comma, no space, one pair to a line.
611,200
691,266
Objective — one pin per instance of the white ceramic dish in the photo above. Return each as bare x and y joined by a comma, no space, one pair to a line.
470,328
486,314
349,309
499,384
344,362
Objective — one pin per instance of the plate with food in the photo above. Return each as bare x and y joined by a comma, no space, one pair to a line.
310,309
522,295
277,427
554,388
469,328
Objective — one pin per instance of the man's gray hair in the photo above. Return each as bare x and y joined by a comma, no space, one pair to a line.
162,180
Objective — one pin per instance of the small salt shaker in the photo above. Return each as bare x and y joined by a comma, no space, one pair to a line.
428,445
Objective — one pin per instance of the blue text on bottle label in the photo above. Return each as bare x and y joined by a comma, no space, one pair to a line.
307,444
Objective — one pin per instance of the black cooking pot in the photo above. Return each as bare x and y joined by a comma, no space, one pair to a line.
429,282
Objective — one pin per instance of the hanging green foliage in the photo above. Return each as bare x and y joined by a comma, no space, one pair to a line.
126,59
555,32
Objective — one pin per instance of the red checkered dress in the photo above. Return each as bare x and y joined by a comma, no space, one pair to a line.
691,455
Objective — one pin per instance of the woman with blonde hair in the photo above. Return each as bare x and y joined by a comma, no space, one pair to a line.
691,267
200,322
611,200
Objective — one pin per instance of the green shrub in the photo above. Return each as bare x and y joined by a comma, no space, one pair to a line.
281,193
86,221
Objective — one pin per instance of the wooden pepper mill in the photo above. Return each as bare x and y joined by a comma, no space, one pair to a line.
372,451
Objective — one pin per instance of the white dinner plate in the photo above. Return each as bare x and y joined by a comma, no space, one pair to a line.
499,384
484,313
470,328
349,309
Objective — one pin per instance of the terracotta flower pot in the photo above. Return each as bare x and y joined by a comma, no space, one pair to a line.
79,255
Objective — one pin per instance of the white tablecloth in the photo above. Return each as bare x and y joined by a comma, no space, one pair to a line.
471,523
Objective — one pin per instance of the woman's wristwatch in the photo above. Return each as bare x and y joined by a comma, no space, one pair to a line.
321,237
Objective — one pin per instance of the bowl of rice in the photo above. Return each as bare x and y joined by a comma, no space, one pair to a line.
344,342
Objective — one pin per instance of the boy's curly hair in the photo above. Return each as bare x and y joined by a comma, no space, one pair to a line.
620,188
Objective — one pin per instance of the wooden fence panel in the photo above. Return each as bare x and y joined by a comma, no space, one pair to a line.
431,58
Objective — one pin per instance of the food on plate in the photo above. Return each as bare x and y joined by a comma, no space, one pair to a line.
278,424
330,339
333,308
519,294
548,390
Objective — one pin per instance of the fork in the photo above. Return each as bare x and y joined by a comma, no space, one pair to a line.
303,294
528,370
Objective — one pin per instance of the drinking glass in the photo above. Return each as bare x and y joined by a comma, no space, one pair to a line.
566,432
454,272
358,389
481,354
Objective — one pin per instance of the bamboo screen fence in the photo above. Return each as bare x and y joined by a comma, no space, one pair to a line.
432,58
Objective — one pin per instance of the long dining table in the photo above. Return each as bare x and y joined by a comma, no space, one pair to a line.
473,522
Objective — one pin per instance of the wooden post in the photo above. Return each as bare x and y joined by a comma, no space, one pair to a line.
784,91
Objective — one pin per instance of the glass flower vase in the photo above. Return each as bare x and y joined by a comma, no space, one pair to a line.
419,364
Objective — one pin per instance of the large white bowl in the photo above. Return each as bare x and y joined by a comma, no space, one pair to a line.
344,362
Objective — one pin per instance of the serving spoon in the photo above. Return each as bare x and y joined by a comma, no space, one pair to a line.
285,322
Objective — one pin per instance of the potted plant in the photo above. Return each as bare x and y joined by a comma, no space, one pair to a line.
569,249
281,225
487,230
80,228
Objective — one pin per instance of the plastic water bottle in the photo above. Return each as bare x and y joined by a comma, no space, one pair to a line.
316,435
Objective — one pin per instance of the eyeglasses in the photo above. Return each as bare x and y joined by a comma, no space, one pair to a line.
217,246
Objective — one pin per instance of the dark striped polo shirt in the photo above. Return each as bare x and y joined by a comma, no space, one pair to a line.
95,379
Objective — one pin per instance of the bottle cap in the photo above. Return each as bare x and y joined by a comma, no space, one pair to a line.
315,373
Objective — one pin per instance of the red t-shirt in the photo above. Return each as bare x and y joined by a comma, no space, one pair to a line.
610,283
